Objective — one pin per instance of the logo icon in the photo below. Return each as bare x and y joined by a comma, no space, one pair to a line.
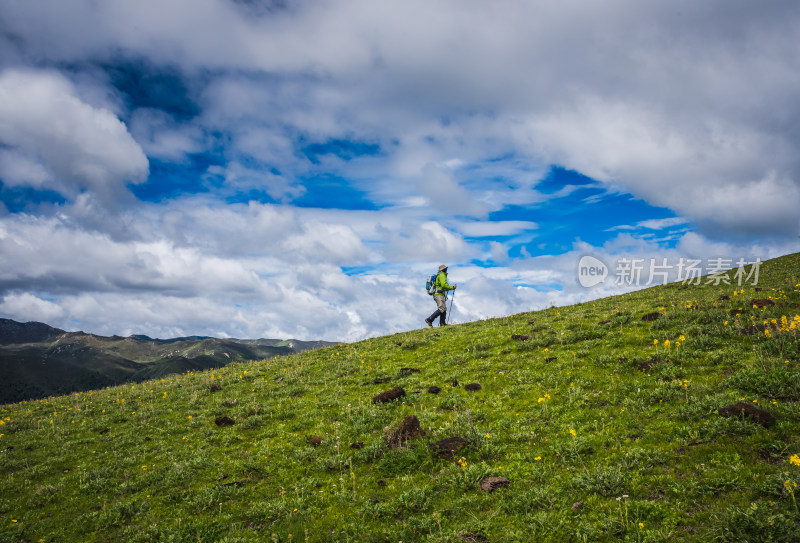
591,271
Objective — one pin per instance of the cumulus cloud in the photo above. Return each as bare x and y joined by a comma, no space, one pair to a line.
59,142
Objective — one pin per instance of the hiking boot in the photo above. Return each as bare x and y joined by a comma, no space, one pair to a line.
429,323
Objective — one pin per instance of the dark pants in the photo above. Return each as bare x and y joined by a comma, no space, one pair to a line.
441,309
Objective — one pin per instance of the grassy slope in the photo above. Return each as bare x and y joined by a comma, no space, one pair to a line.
580,412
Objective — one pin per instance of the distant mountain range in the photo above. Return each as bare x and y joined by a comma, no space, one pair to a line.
37,360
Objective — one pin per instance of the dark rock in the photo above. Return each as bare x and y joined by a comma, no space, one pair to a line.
389,395
759,289
622,359
224,421
474,538
577,505
761,303
550,359
279,380
651,316
736,312
408,371
724,297
455,383
745,409
490,484
399,343
472,387
648,365
409,429
381,483
214,388
357,445
148,438
604,322
434,390
314,441
447,448
519,337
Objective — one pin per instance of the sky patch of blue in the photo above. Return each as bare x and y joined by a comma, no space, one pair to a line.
589,213
21,199
333,192
344,149
145,85
169,180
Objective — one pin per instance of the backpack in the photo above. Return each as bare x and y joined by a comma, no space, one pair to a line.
430,284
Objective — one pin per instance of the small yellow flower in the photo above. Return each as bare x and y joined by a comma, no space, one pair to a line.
488,436
682,338
573,432
538,458
666,343
794,459
641,525
655,342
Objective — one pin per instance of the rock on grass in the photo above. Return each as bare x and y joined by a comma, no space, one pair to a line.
389,395
745,409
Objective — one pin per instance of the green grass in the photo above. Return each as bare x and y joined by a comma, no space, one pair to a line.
579,413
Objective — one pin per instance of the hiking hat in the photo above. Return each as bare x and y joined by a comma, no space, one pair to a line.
442,267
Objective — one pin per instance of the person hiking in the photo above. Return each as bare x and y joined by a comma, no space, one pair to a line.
440,297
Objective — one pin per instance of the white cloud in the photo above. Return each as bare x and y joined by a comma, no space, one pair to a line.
77,145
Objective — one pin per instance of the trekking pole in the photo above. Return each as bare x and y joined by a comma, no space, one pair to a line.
450,311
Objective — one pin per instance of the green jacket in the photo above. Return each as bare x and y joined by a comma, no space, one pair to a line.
441,283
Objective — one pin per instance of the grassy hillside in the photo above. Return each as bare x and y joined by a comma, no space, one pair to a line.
606,426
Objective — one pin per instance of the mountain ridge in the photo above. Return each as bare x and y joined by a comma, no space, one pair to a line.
38,360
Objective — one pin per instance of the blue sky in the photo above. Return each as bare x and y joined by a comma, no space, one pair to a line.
254,169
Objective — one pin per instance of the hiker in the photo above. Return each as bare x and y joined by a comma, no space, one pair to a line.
440,297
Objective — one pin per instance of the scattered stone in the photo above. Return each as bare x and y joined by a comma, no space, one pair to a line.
724,298
651,316
223,477
759,289
455,383
648,365
357,445
230,403
399,343
761,303
214,388
447,448
409,429
148,438
577,505
519,337
474,538
279,380
224,421
408,371
736,312
472,387
381,483
389,395
434,390
104,430
490,484
604,322
314,441
741,408
622,359
550,359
